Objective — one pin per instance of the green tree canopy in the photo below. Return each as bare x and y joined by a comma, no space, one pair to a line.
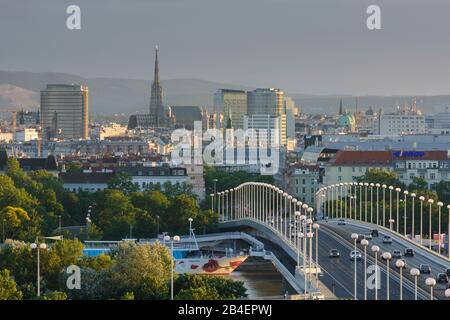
8,287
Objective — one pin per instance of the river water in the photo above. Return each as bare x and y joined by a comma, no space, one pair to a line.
261,284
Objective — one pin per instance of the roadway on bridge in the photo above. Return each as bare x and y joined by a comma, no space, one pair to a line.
341,269
345,231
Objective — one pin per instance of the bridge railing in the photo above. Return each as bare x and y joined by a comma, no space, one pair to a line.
290,219
406,214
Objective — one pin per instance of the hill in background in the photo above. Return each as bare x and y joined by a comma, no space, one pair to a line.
109,96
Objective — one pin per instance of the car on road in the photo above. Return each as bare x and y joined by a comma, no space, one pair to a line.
396,254
387,239
360,237
374,233
447,272
403,262
334,253
409,252
341,222
442,278
368,235
355,255
425,268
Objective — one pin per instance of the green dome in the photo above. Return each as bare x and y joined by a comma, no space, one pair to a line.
347,120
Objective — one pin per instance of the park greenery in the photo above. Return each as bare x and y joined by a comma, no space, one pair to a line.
32,204
131,271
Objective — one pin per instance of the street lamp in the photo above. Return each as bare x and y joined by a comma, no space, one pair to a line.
190,227
371,202
175,238
430,202
365,243
365,199
405,193
398,208
38,246
413,231
387,256
355,237
384,204
415,273
422,199
309,235
400,264
376,249
316,227
390,204
378,205
440,204
391,223
431,282
447,293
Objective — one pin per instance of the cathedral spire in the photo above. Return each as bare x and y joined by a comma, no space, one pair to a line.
158,118
156,74
341,110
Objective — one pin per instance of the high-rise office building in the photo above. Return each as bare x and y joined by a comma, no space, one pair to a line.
64,112
266,101
233,105
266,110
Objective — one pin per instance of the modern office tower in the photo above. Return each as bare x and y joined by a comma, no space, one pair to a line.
266,101
64,112
233,105
157,112
266,110
269,123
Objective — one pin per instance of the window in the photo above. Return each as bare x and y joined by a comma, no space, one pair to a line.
432,176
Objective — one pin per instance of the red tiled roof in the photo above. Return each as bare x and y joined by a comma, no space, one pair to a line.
362,158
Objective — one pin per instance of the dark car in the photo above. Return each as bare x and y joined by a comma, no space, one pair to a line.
408,252
360,237
387,239
442,278
396,254
425,268
447,272
334,253
374,233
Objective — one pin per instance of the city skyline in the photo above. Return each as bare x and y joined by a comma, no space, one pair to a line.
310,48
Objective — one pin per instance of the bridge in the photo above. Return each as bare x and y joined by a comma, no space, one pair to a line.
369,218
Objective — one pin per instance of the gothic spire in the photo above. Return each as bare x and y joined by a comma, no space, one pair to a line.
156,74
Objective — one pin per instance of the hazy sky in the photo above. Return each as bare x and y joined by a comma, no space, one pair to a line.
301,46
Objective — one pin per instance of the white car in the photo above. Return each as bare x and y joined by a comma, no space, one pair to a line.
387,239
355,255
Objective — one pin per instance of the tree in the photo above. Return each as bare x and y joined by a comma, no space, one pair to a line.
143,269
181,209
117,214
124,182
186,284
418,184
54,295
74,167
443,191
200,293
381,176
16,222
8,287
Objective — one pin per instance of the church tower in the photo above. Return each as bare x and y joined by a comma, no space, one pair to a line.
157,113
